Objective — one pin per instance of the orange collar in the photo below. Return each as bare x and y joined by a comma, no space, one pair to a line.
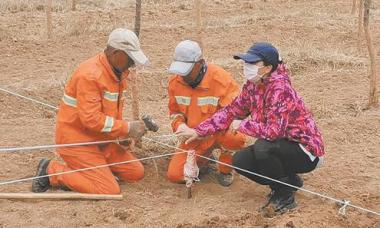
205,83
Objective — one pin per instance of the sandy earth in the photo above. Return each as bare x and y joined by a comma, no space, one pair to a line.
318,40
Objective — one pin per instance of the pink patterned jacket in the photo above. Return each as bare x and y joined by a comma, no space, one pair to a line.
276,112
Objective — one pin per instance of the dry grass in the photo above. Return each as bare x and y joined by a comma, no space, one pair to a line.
30,6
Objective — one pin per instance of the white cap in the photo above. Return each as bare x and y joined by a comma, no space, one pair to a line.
127,41
186,54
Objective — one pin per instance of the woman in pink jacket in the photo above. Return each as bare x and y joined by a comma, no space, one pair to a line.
288,141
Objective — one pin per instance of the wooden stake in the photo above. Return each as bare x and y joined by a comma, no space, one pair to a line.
134,94
198,19
373,95
188,191
49,18
60,196
360,22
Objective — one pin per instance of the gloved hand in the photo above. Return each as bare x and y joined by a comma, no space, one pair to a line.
182,128
187,134
137,129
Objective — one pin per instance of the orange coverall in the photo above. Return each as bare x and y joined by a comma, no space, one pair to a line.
91,110
192,106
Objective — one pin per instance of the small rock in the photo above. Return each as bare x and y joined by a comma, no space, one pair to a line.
121,214
269,212
290,224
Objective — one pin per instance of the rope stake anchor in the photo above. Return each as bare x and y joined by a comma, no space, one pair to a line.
342,209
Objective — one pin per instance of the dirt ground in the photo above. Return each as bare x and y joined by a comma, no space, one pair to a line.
317,39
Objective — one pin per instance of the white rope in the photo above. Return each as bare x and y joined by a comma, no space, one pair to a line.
29,99
42,147
52,146
342,202
165,136
89,168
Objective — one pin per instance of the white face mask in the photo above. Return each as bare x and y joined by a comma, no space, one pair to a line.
251,72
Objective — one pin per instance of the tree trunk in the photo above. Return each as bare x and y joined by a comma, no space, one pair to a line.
373,95
360,22
134,81
353,9
198,19
133,74
73,5
49,25
134,94
138,17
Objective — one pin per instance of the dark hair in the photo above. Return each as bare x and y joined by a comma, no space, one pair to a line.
274,66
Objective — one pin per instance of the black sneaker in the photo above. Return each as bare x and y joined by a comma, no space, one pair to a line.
271,198
41,184
285,200
279,193
225,179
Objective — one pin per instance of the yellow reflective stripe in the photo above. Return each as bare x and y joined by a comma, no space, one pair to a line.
108,124
70,101
174,116
208,101
111,96
183,100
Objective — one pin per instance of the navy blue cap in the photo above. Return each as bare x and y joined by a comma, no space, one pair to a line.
260,52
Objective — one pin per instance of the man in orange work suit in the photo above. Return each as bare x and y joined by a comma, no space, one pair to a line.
91,110
196,91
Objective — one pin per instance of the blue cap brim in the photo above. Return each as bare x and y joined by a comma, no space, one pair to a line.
250,58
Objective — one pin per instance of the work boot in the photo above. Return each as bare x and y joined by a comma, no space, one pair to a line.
204,171
41,184
225,179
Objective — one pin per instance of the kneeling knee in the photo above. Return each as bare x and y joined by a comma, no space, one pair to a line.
108,190
175,177
138,174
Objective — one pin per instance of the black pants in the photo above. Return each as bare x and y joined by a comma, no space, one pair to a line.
280,159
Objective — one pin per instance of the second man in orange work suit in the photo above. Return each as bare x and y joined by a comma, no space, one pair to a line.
91,110
196,91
